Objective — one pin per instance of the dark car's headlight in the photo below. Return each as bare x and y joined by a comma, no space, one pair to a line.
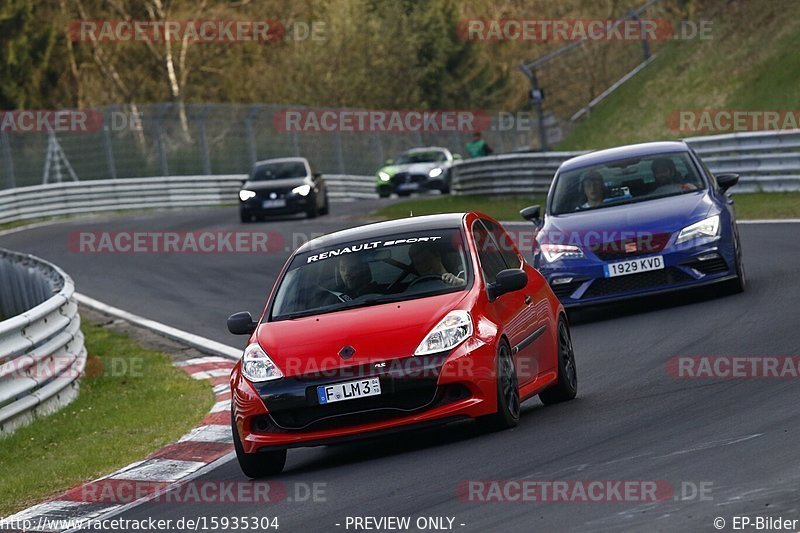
245,195
705,228
257,366
302,190
435,172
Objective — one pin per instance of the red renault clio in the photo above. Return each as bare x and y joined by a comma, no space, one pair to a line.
393,326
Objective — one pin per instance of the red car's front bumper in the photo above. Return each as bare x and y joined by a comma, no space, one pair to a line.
416,391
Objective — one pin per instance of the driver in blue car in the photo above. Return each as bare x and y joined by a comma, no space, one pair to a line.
594,188
668,179
427,261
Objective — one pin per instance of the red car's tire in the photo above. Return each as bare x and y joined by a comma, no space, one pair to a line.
508,405
257,465
566,388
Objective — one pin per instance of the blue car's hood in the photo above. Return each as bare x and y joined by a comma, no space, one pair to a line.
664,215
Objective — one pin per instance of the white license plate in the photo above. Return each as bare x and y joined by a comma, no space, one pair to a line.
634,266
407,186
348,391
271,204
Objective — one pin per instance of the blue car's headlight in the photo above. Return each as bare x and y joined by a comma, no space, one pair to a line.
705,228
554,252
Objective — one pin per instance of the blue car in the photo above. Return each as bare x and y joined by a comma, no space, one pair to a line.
636,220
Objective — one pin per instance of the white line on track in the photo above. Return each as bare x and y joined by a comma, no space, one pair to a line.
195,341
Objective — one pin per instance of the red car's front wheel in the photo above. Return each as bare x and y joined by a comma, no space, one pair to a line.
508,405
257,465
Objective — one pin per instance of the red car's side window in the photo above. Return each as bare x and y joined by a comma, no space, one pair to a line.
506,244
489,255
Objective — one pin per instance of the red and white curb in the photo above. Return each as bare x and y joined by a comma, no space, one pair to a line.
197,452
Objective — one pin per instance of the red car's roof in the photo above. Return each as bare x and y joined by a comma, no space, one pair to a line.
379,229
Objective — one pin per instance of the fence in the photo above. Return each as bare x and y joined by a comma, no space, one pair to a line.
153,140
41,346
766,161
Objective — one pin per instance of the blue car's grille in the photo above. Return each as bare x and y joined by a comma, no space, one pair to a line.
636,282
627,248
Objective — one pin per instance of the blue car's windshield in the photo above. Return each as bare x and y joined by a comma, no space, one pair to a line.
625,181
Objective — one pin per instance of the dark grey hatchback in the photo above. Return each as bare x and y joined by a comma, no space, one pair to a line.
281,187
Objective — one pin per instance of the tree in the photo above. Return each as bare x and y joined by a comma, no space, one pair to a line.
25,52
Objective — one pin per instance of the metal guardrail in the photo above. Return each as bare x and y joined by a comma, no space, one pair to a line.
70,198
766,161
508,174
42,354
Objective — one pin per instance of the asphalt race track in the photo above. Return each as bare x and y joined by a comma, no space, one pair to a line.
631,421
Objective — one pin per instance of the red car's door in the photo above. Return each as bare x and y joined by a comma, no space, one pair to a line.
516,312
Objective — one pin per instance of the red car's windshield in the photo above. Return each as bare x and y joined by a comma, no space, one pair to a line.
368,272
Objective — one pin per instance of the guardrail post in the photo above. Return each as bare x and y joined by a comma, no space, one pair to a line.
162,153
645,43
378,150
8,162
252,152
537,97
337,144
112,167
206,158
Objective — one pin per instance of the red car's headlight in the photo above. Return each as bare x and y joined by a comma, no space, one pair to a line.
257,366
451,331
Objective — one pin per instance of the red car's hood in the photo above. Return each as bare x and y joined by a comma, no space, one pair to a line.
377,333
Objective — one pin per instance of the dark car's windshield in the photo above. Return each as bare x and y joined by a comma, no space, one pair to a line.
369,272
625,181
408,158
279,171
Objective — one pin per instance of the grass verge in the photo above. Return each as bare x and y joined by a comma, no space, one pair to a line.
748,206
132,402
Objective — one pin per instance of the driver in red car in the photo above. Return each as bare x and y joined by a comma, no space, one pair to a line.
357,278
427,261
